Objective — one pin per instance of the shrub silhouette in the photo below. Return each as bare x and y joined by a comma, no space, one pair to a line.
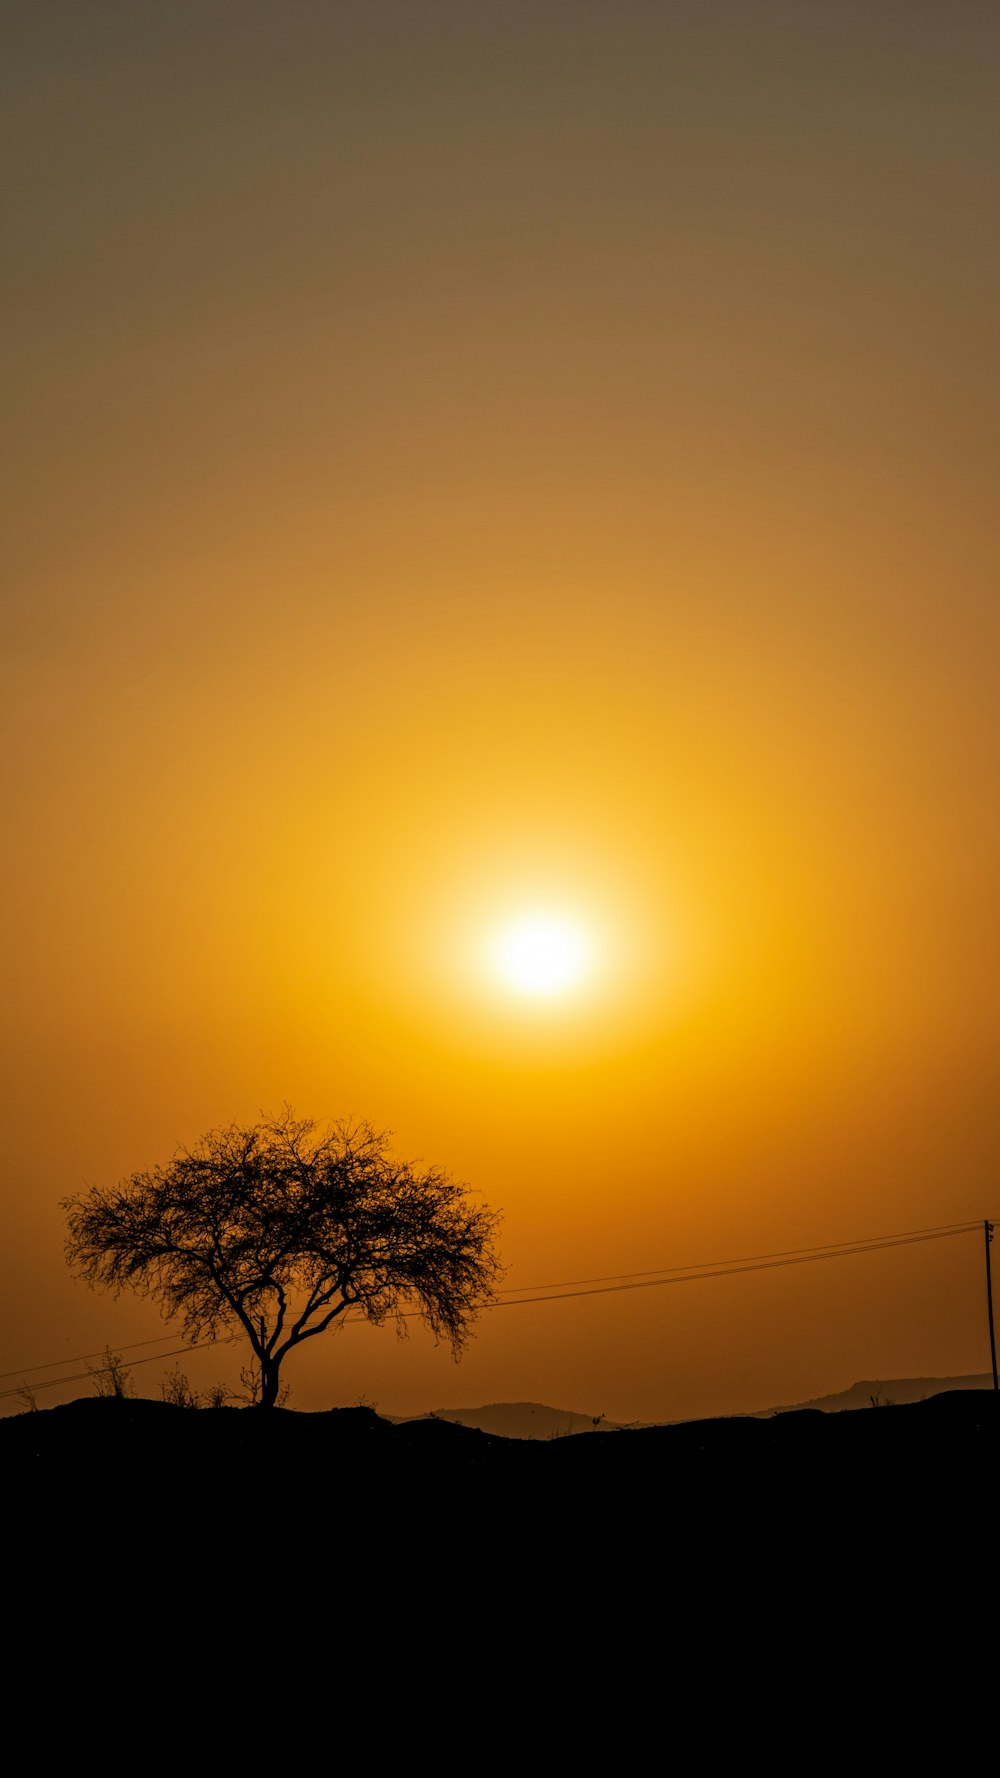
111,1376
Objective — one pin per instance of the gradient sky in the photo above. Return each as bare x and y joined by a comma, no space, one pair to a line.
464,458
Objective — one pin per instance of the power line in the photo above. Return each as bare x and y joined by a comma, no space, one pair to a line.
81,1357
655,1272
694,1276
610,1284
133,1364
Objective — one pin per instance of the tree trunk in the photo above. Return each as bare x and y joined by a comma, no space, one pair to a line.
268,1385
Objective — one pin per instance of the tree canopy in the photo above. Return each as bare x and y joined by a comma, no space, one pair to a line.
280,1229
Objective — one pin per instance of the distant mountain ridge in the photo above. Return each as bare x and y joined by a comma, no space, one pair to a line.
522,1419
886,1392
534,1420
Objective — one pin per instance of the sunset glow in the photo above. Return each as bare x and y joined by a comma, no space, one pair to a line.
542,955
501,640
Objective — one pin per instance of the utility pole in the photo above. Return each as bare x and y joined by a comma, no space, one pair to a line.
988,1232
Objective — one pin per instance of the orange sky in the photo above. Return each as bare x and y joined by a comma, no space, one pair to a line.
464,458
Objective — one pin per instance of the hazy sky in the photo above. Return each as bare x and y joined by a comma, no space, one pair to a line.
472,459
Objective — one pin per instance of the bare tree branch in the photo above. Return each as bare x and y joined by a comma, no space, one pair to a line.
278,1230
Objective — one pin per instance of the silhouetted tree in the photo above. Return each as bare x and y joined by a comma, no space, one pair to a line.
277,1231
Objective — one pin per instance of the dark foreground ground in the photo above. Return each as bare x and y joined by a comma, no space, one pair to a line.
875,1468
712,1573
865,1540
153,1443
209,1579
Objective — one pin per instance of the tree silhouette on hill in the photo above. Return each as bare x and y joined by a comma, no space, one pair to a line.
279,1231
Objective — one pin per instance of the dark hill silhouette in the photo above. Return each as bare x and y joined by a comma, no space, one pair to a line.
168,1449
536,1420
523,1419
804,1539
887,1392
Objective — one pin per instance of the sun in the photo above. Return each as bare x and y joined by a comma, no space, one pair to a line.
542,955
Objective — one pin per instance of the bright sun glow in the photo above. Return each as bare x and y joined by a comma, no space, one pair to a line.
542,955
